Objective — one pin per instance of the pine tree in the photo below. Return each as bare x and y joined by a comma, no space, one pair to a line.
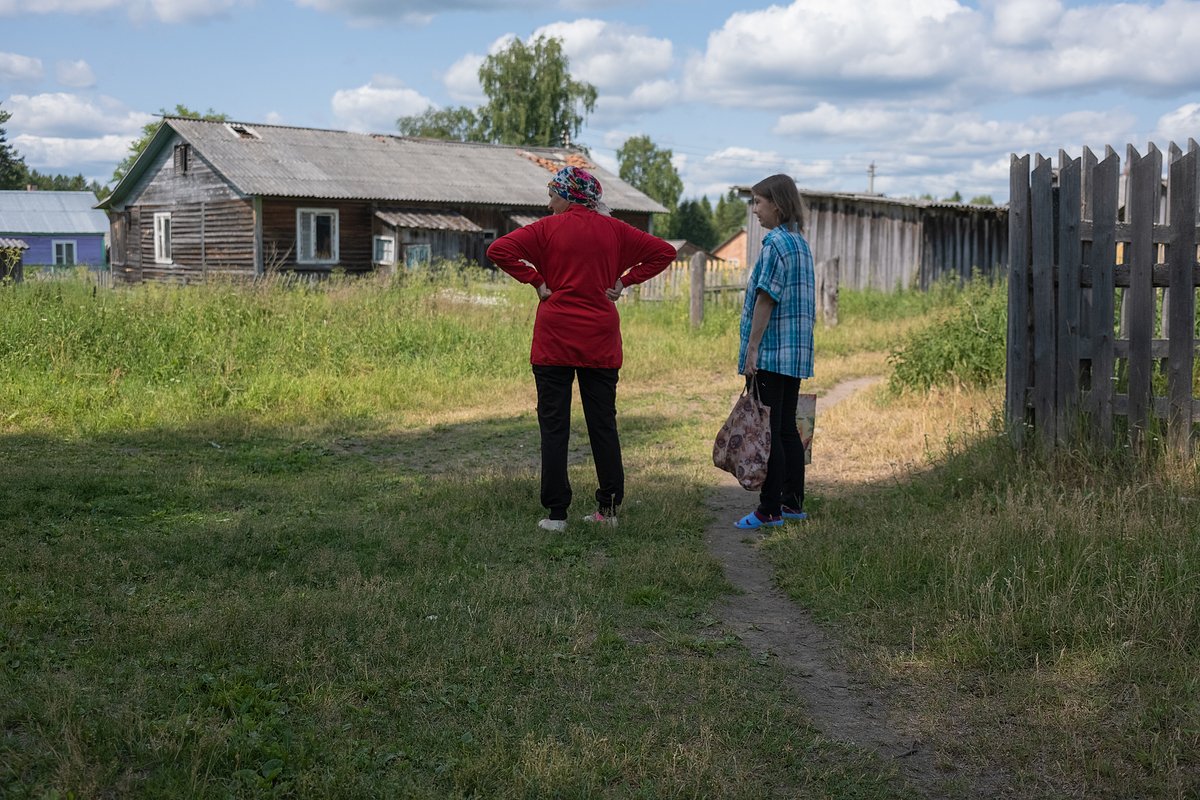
13,172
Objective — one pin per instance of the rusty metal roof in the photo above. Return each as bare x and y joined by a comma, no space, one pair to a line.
427,220
278,161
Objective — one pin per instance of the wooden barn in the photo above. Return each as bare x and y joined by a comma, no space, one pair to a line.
885,243
239,199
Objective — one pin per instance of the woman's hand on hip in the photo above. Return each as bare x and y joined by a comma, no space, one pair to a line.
614,292
543,292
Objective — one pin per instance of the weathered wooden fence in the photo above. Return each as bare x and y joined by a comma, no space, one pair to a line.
724,282
1102,299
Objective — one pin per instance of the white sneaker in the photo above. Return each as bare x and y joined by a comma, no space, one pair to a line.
596,518
556,525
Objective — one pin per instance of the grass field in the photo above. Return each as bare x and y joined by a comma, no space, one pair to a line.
281,542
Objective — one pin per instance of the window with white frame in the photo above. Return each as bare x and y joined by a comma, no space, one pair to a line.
162,237
64,253
316,236
385,250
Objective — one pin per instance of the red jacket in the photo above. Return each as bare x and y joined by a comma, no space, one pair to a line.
578,254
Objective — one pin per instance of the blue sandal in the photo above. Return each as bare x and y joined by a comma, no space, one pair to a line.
754,520
791,513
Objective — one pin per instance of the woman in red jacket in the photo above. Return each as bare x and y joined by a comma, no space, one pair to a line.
579,260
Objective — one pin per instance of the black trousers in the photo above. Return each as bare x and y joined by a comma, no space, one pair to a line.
785,467
598,390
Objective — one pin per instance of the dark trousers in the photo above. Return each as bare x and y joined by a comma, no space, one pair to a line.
598,390
785,467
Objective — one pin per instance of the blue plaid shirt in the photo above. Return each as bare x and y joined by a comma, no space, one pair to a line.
784,270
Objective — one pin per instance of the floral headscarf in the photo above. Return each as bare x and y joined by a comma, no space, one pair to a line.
577,186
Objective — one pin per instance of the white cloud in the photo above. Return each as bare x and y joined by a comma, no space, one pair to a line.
376,106
646,97
169,11
610,56
75,74
811,48
1179,125
958,134
462,80
18,68
1135,47
1022,22
69,115
95,156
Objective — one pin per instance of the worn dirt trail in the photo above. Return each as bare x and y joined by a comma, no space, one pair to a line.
839,704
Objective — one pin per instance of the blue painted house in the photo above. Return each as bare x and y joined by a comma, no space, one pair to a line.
61,228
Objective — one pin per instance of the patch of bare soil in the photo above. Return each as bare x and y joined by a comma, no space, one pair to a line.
840,704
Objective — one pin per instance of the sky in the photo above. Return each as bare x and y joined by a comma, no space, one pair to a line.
936,94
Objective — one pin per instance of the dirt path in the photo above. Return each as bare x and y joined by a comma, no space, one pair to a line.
842,706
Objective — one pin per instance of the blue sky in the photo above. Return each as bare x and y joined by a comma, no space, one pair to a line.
936,93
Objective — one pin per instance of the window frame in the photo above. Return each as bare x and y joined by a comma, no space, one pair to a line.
390,243
309,256
73,244
162,238
418,255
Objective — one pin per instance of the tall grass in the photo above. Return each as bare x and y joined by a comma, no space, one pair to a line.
278,541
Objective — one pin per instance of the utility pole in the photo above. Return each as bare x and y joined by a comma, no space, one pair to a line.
871,178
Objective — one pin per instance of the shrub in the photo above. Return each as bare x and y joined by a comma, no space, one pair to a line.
964,347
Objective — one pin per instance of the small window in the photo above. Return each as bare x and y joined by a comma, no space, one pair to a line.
316,236
183,153
242,131
64,253
385,250
489,234
162,237
417,255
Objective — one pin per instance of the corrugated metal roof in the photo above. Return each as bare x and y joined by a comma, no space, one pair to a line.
521,220
280,161
427,220
41,212
13,243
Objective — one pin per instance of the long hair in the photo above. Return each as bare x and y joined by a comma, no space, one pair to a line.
781,190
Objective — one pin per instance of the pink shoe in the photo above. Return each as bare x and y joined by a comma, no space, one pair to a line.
596,518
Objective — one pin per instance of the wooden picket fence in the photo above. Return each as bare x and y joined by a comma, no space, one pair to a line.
723,282
1102,339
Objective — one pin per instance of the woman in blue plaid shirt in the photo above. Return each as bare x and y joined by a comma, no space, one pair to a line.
777,343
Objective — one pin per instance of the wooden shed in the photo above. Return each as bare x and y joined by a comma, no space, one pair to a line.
886,243
212,198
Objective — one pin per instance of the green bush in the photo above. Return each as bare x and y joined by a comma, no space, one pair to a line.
964,347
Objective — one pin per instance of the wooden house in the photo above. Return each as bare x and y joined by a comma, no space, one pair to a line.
733,249
60,229
226,198
887,243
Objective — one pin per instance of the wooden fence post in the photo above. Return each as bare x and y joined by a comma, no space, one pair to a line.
827,290
1044,327
1017,358
1105,189
1145,176
1070,262
696,310
1181,313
